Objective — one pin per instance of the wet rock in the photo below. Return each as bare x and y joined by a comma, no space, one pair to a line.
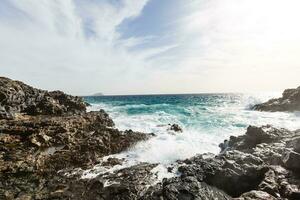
187,188
252,168
175,128
113,162
128,183
55,143
224,146
239,173
234,172
290,101
258,135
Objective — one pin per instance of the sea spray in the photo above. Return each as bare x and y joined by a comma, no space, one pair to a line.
206,119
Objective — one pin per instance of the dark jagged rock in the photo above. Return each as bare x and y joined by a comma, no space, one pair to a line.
292,161
129,183
186,188
47,139
290,101
175,128
257,135
256,195
125,184
235,173
35,148
255,166
44,134
17,97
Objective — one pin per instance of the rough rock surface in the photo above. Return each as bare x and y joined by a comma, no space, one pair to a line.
255,166
175,128
17,97
290,101
47,140
44,134
186,188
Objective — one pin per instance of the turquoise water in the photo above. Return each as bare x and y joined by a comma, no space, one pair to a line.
207,119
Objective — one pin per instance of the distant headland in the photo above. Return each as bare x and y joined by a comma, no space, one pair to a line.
98,94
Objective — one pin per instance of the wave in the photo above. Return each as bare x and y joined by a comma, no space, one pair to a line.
206,122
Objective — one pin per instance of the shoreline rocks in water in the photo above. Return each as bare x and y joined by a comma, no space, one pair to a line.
47,139
290,101
175,128
254,167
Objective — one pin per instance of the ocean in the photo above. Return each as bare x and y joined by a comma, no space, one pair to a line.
206,119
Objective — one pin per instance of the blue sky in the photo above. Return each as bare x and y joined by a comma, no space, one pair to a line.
151,46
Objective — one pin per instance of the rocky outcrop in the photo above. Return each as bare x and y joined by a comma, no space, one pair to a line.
126,184
290,101
34,149
184,188
48,142
255,166
46,136
17,97
175,128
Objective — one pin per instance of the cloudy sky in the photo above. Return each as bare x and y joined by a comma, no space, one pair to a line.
151,46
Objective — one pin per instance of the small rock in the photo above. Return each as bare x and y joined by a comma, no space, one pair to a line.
175,128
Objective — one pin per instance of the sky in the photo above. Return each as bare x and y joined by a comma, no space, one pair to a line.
151,46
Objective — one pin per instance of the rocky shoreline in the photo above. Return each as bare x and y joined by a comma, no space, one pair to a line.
48,138
290,101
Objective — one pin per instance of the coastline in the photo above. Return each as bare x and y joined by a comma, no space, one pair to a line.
47,137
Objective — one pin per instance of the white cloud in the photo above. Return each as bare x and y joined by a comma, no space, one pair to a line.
217,45
241,45
50,48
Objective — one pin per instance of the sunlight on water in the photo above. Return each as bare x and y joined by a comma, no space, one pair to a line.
207,119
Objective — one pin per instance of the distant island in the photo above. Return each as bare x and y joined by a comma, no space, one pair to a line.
98,94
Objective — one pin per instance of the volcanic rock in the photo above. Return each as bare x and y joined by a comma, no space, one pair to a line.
290,101
17,97
44,135
187,188
175,128
48,141
255,166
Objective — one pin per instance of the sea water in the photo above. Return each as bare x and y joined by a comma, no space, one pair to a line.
206,119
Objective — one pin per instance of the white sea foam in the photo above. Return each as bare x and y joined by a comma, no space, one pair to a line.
204,128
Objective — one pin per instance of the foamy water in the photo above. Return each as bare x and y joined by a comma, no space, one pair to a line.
206,119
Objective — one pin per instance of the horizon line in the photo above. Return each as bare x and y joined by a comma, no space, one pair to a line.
166,94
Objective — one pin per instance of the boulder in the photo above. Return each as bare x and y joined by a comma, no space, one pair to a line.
258,135
187,188
175,128
292,161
